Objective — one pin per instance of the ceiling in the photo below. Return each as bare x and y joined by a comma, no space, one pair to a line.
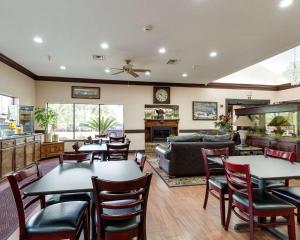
272,71
242,32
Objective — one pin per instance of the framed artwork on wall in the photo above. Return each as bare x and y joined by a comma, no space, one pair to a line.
205,110
85,92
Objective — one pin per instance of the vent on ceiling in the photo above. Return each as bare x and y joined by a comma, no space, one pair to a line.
98,57
172,61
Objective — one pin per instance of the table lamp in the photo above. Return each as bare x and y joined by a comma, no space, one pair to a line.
243,121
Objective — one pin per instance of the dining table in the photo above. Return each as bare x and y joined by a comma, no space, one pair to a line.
72,177
262,169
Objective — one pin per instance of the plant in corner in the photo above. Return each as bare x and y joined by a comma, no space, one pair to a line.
279,122
224,123
46,118
103,126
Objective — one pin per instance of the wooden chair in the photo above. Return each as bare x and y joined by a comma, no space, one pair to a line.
78,157
216,183
253,203
48,223
121,208
117,139
140,160
117,151
289,156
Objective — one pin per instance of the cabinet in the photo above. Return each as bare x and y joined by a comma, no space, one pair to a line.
18,152
52,149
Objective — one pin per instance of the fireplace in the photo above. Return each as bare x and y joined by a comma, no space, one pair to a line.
160,134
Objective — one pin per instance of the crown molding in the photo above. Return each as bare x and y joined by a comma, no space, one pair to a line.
32,75
17,66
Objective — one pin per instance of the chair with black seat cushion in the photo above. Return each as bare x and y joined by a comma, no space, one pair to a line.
291,195
216,183
121,208
253,203
117,151
117,139
58,221
140,160
284,155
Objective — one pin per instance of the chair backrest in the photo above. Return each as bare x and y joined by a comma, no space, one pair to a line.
239,181
75,147
290,156
106,192
117,139
117,151
213,168
77,157
140,159
19,181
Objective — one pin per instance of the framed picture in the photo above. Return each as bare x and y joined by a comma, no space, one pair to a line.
85,92
205,110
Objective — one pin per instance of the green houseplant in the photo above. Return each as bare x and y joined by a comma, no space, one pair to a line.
224,123
279,122
46,118
103,126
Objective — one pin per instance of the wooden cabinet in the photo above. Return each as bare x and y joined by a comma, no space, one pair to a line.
52,149
7,160
16,153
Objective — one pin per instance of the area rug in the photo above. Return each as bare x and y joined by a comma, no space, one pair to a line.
175,181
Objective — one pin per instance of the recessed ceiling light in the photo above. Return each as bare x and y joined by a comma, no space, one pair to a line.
104,45
38,39
107,70
285,3
213,54
162,50
147,73
184,75
62,67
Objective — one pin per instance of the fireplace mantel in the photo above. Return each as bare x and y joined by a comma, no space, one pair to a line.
154,123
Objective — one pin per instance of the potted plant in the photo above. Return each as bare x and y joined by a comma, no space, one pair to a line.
278,122
224,123
46,118
103,126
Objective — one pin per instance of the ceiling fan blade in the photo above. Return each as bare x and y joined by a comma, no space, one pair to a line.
116,68
141,70
133,74
117,72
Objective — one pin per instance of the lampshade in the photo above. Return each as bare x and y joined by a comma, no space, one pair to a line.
243,121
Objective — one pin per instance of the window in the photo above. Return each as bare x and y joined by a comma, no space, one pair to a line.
78,121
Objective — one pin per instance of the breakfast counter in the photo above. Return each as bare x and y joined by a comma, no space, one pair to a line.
18,151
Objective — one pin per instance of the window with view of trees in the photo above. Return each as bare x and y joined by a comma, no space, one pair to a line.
78,121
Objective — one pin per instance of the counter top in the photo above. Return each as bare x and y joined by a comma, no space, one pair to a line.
19,136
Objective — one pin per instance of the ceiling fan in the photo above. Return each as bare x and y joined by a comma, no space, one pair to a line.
128,68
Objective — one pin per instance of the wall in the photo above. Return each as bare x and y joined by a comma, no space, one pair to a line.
135,97
16,84
289,94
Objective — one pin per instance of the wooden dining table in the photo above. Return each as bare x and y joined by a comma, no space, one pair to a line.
76,177
262,169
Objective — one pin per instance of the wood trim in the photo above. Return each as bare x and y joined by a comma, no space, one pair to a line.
32,75
135,131
11,63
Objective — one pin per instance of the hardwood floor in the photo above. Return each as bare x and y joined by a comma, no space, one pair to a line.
177,214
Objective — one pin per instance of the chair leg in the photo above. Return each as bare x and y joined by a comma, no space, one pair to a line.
251,227
298,213
291,227
206,194
228,213
222,208
86,227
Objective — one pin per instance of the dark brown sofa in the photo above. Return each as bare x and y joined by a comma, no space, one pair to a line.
179,158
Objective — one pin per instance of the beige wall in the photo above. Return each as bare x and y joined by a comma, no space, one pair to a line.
288,95
135,97
16,84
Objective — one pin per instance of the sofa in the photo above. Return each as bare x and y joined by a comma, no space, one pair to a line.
181,155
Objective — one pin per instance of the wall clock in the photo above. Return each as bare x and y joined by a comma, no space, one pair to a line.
161,95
